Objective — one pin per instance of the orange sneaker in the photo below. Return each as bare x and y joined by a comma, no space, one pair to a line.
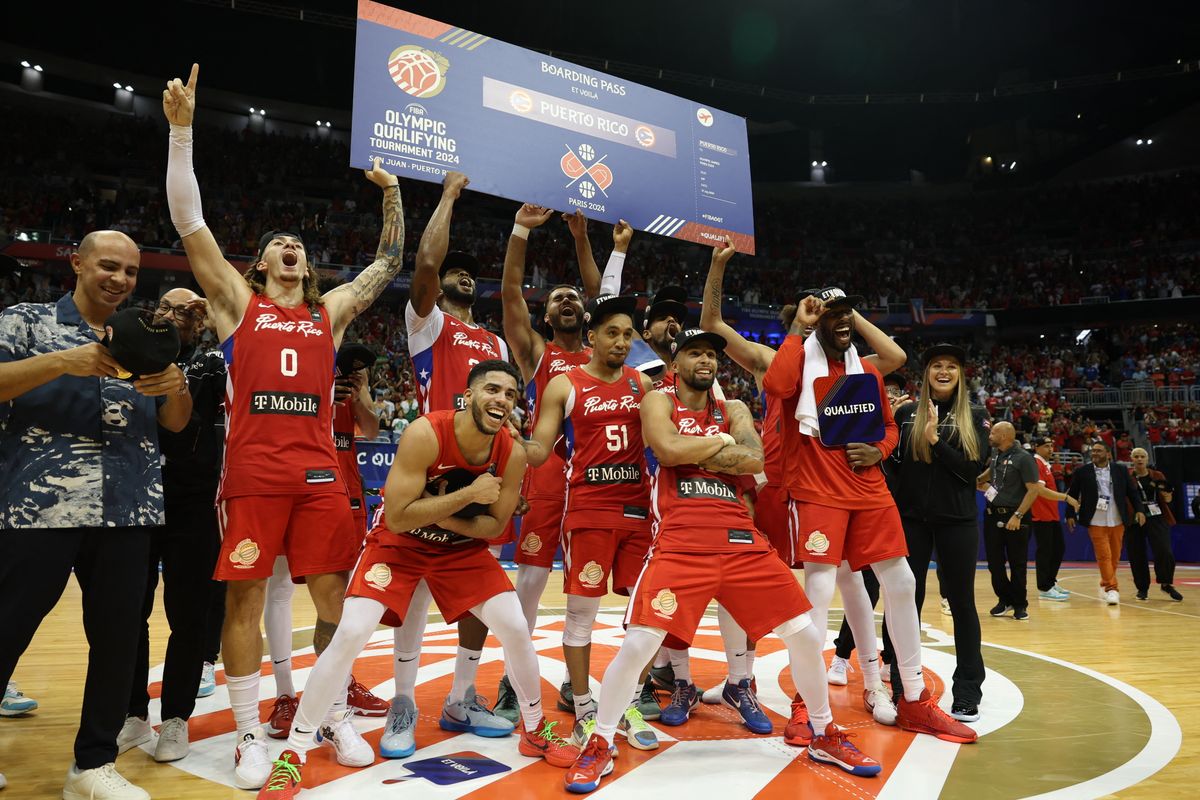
363,703
798,732
834,747
284,783
545,743
280,723
926,716
593,763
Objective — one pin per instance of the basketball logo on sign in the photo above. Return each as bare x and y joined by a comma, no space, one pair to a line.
420,72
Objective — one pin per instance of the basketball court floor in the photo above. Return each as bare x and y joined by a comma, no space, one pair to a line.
1082,701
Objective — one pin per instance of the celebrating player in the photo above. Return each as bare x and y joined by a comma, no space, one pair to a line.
706,546
281,490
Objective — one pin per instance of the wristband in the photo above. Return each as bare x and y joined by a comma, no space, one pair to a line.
726,438
520,231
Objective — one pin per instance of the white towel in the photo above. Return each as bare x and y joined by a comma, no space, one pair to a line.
816,365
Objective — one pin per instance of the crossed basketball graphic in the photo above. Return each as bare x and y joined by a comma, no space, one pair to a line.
574,168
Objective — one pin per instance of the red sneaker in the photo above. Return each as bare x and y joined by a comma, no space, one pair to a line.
926,716
593,763
363,703
834,747
798,732
545,743
280,723
284,783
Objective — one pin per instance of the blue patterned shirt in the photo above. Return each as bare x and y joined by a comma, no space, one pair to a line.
74,452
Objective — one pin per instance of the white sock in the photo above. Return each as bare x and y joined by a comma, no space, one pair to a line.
531,582
584,704
896,582
407,640
466,666
734,639
804,648
503,615
681,664
860,616
622,674
277,619
243,699
750,664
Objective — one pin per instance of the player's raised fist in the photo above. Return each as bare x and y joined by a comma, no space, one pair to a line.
532,216
179,99
576,223
809,311
454,183
622,234
486,488
723,252
380,176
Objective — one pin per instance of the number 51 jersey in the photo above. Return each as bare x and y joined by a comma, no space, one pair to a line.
607,486
279,403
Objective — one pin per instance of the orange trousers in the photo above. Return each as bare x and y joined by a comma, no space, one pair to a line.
1106,540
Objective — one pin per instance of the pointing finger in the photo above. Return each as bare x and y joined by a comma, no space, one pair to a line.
191,84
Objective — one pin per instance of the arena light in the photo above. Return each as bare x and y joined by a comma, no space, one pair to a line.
26,64
318,123
1082,337
129,88
116,86
824,163
252,111
262,112
815,164
1013,165
37,67
328,125
1149,142
1141,142
1079,116
987,159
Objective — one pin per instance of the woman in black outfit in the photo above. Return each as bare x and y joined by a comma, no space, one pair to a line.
943,447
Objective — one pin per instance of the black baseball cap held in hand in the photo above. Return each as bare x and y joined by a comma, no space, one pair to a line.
353,356
833,297
139,344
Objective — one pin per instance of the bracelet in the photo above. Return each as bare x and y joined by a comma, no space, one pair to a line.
726,438
520,231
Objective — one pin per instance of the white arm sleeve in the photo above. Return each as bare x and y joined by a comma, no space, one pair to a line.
610,281
183,194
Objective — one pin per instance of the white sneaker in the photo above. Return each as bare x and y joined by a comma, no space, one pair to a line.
879,702
352,749
172,740
715,695
1112,597
101,783
946,607
208,680
136,731
252,761
3,781
838,670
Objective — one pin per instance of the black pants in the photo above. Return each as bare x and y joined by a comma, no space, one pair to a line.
1050,549
1006,549
1158,532
188,548
844,643
110,564
216,619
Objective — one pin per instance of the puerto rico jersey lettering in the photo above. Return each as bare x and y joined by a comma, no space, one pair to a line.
548,479
696,510
347,453
606,460
279,403
443,350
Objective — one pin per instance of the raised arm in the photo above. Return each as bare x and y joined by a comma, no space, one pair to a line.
888,356
669,445
750,356
364,410
589,273
526,344
610,282
745,457
782,378
551,410
226,289
435,241
351,299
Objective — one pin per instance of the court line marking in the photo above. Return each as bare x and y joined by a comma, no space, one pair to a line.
1124,604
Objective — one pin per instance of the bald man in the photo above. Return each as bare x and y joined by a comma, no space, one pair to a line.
1010,485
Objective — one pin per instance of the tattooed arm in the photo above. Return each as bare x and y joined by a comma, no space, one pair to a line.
349,300
751,356
745,457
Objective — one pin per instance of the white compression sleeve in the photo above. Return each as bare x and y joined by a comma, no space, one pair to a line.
819,580
610,281
734,639
621,677
277,619
899,587
531,583
183,193
407,639
502,614
860,616
808,670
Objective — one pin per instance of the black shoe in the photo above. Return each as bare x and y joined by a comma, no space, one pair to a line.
964,711
1141,595
566,697
663,677
1020,614
1000,609
1171,593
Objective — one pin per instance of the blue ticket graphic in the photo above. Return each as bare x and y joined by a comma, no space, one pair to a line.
430,97
849,410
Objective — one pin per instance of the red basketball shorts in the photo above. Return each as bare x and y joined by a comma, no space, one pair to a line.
827,535
771,517
541,530
316,532
590,556
674,590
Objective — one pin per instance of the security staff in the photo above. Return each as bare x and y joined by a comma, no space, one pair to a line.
1010,486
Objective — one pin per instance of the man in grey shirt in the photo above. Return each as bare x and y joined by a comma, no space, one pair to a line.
1010,485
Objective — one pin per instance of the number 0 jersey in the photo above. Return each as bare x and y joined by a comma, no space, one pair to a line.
279,403
606,460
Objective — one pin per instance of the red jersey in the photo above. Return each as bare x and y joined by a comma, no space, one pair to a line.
279,403
771,439
548,479
696,510
665,382
347,453
812,472
443,350
606,460
1045,510
449,459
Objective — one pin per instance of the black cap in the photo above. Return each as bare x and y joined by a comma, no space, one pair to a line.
140,345
812,291
601,308
668,300
455,479
896,378
1038,441
353,356
685,337
944,349
457,259
266,238
833,297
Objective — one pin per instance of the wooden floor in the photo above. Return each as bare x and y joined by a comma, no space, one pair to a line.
1070,723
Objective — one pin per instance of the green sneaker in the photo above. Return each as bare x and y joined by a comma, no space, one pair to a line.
566,697
635,730
584,728
507,705
647,701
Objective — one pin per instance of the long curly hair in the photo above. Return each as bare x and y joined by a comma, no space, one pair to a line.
312,291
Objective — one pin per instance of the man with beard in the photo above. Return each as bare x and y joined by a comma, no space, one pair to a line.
606,528
540,360
706,546
281,491
838,502
453,485
1105,500
444,343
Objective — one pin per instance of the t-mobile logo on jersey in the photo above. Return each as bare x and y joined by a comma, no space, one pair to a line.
613,473
269,322
626,403
463,339
293,403
343,441
705,489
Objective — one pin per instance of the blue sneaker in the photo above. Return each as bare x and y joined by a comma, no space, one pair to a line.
683,699
473,716
398,739
208,680
15,702
741,698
